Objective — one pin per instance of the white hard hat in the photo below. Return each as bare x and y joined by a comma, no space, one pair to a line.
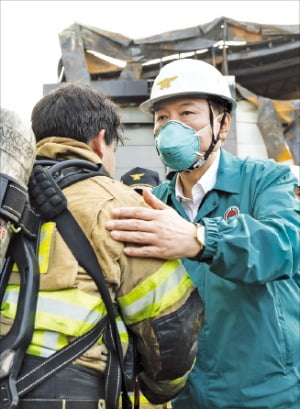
188,77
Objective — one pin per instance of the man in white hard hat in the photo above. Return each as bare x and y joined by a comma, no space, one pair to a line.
236,222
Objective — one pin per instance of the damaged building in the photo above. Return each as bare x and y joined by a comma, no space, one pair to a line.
261,63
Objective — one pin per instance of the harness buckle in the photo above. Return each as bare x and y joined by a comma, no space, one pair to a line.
8,392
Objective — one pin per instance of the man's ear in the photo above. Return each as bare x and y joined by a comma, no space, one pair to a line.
97,143
225,127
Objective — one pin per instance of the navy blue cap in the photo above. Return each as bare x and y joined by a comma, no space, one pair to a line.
139,178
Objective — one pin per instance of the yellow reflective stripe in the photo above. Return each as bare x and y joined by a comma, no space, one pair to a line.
44,246
36,343
71,312
122,330
74,297
180,380
61,313
142,398
156,293
8,307
124,337
150,283
46,343
46,233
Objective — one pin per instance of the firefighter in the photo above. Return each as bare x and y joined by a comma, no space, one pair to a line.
156,299
237,224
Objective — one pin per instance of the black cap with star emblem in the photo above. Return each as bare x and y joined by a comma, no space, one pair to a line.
140,178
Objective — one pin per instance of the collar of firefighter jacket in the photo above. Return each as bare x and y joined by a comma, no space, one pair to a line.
56,147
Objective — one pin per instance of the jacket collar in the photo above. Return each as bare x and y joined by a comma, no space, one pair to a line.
59,148
228,174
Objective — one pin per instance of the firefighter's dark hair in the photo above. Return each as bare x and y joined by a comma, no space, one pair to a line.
77,111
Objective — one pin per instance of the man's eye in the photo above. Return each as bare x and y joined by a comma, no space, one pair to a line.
161,118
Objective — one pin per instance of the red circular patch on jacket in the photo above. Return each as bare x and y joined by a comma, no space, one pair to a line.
231,211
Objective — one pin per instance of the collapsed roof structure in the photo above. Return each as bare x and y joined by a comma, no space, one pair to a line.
264,59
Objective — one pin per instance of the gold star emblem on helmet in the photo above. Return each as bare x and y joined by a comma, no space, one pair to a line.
137,176
166,82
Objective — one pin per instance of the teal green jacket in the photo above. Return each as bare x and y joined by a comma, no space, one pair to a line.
248,277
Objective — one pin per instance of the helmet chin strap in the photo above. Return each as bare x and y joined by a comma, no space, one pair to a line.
214,139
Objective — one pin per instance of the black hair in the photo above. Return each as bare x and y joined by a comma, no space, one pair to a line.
220,105
77,111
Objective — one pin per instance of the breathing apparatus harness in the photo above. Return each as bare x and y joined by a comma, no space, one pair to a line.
15,208
45,190
24,222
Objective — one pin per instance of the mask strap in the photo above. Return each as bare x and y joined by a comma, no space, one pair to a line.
155,140
214,139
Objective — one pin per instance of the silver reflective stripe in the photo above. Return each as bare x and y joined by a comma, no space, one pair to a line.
50,344
11,296
66,310
59,308
121,326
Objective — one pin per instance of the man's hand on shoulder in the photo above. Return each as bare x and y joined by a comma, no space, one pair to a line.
159,230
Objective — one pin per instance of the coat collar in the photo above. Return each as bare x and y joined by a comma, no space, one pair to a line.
59,148
228,176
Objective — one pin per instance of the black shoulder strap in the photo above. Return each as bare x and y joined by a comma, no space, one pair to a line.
71,171
15,343
48,198
15,209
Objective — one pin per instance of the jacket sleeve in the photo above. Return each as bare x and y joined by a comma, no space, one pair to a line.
263,245
161,307
165,313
